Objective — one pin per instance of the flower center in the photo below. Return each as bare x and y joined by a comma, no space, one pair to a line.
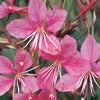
18,75
88,73
40,29
57,62
11,7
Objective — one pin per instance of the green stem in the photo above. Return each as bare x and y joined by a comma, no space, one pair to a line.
64,4
92,30
81,36
48,2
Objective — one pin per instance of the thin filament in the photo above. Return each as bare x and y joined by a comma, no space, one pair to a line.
49,74
18,87
14,86
50,39
31,69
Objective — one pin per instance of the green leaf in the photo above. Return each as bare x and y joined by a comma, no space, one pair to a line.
5,97
10,53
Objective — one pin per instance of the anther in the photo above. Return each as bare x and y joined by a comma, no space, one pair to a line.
51,95
40,30
21,63
30,98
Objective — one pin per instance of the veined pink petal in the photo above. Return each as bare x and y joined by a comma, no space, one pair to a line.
45,77
53,48
76,65
4,9
5,84
68,47
90,50
24,96
31,83
96,69
55,19
23,60
11,2
45,95
6,65
20,28
69,83
37,11
17,9
47,56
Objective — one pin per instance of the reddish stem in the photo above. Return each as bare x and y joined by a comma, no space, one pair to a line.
84,10
60,3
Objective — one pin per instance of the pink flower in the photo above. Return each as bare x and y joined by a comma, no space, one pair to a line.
37,27
24,96
87,67
5,9
22,62
48,75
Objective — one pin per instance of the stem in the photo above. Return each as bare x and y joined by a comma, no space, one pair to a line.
64,4
84,10
93,30
48,2
60,3
94,19
81,36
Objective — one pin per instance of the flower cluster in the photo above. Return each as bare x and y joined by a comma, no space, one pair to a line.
35,30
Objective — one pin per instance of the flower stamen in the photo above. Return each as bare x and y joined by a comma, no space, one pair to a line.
51,95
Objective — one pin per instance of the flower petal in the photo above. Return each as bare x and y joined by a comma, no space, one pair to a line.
6,65
45,77
52,50
24,96
4,9
47,56
11,2
20,28
45,95
69,83
37,11
5,84
96,69
23,60
31,83
55,19
76,65
68,47
90,50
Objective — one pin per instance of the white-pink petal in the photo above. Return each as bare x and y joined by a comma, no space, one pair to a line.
37,11
23,60
5,84
4,9
6,65
55,19
90,50
31,83
20,28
